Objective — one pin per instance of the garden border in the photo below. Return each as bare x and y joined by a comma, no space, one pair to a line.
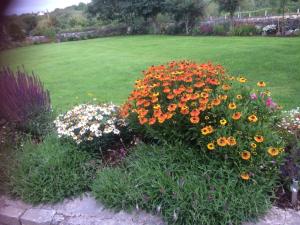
85,211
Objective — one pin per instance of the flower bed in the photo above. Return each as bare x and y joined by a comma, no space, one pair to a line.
202,106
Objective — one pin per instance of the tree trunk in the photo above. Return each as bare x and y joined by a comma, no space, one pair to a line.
187,25
283,22
231,22
155,24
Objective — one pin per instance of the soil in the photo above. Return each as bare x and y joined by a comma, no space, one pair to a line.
283,199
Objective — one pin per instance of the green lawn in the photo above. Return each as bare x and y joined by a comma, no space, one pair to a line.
105,68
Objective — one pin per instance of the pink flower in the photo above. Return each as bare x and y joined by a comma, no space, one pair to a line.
253,96
270,103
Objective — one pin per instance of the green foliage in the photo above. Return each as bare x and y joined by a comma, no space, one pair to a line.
246,30
186,11
229,6
50,171
220,29
178,180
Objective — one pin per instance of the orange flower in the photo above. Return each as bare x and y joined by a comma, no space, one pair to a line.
273,151
181,104
216,102
172,107
154,100
231,141
167,90
195,112
232,105
152,121
184,111
162,118
226,87
195,119
204,95
236,116
146,103
185,98
143,120
195,96
190,90
203,100
259,138
245,176
222,141
199,84
170,96
246,155
261,84
252,118
207,130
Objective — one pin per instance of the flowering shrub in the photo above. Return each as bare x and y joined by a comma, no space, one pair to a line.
93,127
270,29
290,125
201,105
24,101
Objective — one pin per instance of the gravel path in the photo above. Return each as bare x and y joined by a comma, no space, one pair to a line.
86,211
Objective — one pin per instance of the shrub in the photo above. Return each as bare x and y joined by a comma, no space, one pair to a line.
94,127
206,29
245,30
200,105
290,126
24,101
50,171
184,186
220,29
270,29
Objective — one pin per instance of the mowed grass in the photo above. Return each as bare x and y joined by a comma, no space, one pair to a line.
106,68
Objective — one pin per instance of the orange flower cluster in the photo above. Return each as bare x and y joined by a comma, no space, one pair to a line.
184,85
215,111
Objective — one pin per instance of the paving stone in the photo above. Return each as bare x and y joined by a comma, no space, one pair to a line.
10,215
85,205
38,217
57,219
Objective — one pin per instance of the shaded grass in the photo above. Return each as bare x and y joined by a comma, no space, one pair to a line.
105,68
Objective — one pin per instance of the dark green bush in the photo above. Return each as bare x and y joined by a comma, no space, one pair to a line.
178,182
50,171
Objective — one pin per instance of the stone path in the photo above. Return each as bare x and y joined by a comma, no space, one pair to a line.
86,211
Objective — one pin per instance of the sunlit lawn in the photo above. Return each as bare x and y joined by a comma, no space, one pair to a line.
105,68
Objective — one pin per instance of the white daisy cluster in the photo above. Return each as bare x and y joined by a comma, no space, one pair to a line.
291,121
88,122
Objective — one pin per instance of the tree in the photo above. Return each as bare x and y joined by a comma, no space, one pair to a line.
108,10
149,9
229,6
186,11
